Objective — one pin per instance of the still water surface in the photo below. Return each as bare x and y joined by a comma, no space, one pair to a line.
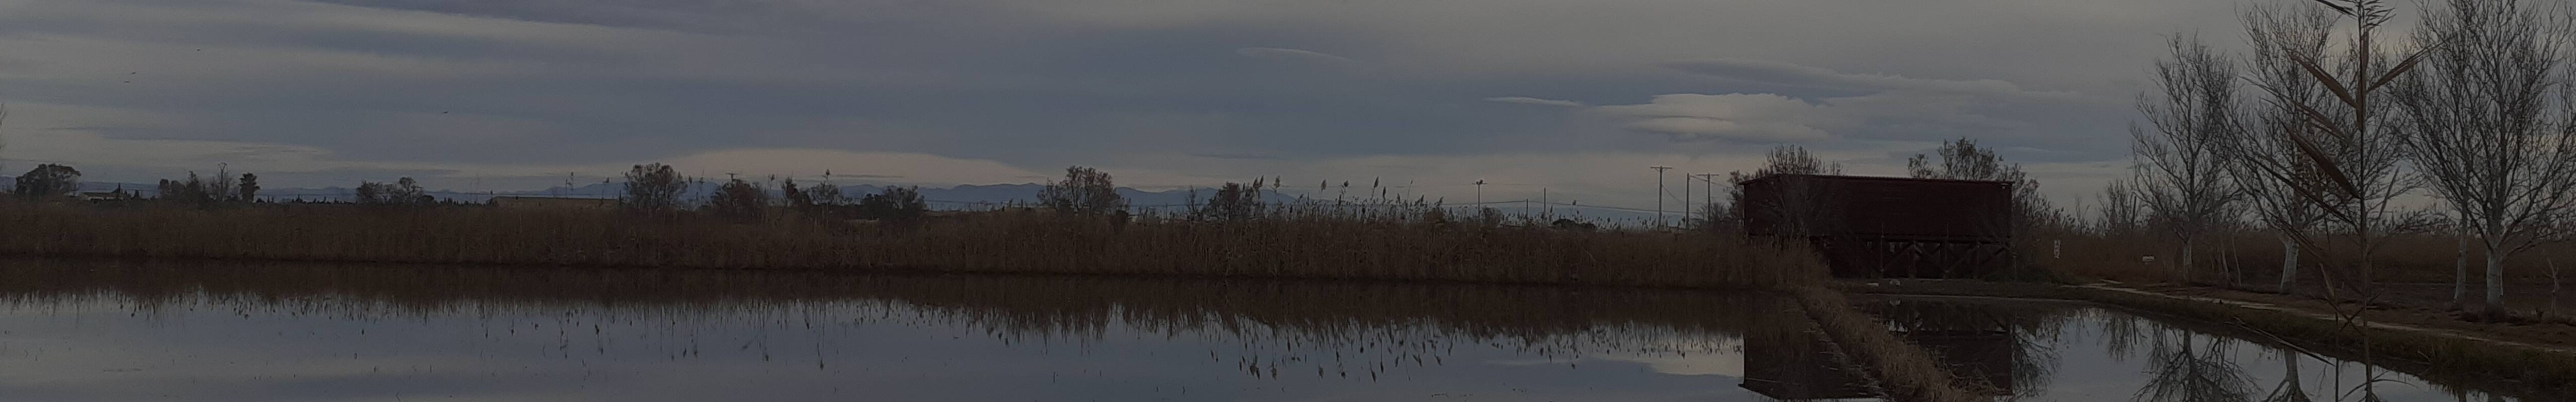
116,331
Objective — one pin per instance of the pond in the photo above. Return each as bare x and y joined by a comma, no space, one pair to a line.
118,331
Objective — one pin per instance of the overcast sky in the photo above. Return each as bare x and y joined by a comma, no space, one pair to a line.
1575,96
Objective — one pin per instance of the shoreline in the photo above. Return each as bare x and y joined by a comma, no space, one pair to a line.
2446,355
2449,355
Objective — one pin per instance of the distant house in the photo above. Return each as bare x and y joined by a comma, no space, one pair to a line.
530,202
106,196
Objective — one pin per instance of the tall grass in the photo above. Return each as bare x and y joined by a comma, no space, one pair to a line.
2254,258
1287,244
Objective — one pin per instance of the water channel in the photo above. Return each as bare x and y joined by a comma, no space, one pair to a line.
123,331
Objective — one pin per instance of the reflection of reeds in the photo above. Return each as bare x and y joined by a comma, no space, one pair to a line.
1285,246
1332,325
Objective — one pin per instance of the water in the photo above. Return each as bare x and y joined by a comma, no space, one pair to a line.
79,331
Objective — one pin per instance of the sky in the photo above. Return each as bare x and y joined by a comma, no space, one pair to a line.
1574,98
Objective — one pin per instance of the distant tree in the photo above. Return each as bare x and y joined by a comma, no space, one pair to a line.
2278,122
2122,211
220,189
408,192
893,204
249,188
1233,202
653,187
739,199
47,180
796,197
2344,160
1084,191
1797,204
2194,110
373,193
824,194
2487,125
191,191
1964,160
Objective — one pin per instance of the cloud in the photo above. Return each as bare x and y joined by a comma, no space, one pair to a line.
1767,118
1799,75
1297,56
1875,107
1534,101
523,88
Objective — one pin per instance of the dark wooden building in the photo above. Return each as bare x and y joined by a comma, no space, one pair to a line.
1887,227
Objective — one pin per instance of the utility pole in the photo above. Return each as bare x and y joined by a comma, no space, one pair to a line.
1686,207
1480,193
1659,194
1708,198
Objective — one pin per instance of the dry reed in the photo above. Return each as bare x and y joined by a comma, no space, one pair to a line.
1282,246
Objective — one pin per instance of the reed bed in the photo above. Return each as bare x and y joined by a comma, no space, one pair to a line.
2254,257
1285,244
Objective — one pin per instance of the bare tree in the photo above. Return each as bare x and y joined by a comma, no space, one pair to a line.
739,199
1964,160
2122,211
405,191
2193,110
1798,198
2345,165
368,192
824,194
653,187
2342,165
2488,126
1084,191
1233,202
2280,34
897,204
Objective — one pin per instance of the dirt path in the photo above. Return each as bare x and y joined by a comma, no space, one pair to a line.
2562,350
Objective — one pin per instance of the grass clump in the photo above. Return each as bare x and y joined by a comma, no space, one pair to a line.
1903,370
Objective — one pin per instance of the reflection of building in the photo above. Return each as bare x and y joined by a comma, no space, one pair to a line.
1974,342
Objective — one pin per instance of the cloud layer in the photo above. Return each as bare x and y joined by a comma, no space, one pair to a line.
1572,95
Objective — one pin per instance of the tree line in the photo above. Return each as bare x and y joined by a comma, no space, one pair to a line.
2318,131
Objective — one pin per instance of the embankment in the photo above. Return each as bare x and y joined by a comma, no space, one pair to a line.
2443,355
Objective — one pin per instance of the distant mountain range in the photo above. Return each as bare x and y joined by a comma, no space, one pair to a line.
958,197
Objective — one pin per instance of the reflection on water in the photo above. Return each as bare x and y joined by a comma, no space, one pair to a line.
132,331
2056,351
